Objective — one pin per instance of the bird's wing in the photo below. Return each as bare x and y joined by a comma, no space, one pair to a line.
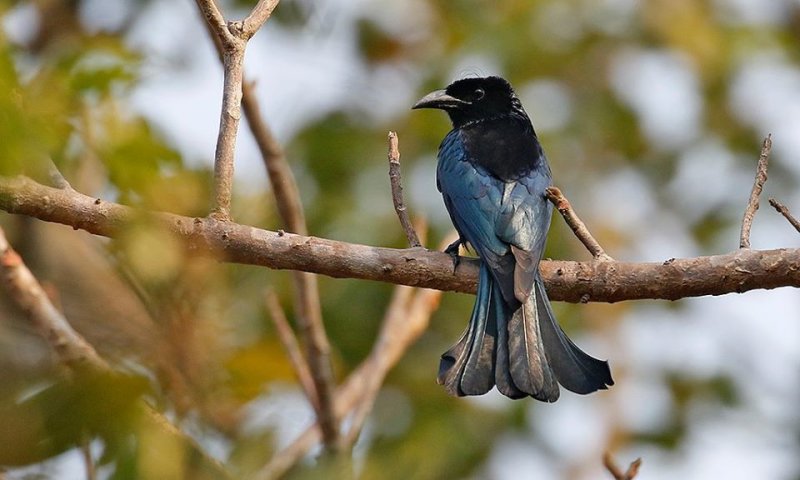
522,223
472,197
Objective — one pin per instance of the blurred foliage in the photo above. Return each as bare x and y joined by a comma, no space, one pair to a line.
198,329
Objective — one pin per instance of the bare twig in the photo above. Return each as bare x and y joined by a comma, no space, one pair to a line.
568,281
576,224
397,191
307,305
616,472
758,185
214,17
292,347
784,210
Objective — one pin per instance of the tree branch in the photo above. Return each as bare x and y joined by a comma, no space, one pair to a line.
397,191
758,185
576,224
569,281
784,210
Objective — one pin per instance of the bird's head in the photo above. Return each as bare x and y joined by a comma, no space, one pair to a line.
474,99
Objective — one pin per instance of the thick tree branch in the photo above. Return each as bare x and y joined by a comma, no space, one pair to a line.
758,185
569,281
576,224
784,210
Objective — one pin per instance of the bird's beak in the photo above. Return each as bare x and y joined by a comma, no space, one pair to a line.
439,99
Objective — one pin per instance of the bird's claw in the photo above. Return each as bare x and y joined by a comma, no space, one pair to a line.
452,250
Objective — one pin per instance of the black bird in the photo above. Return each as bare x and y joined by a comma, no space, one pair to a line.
493,173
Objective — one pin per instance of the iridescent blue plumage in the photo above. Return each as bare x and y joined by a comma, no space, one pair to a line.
493,175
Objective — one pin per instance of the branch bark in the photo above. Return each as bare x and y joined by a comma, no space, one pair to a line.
568,281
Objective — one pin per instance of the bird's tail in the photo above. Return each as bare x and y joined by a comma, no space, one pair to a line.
524,352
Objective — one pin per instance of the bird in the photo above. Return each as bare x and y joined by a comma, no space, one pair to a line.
493,175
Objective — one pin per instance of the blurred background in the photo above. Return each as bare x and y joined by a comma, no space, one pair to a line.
652,114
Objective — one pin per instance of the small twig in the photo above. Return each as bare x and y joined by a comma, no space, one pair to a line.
292,348
397,191
758,185
616,472
784,210
576,224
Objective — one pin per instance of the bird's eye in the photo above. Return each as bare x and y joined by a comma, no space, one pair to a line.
479,93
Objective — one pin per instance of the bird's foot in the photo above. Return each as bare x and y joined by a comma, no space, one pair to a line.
452,250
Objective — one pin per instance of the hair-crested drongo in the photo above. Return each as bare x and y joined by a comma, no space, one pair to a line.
493,174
